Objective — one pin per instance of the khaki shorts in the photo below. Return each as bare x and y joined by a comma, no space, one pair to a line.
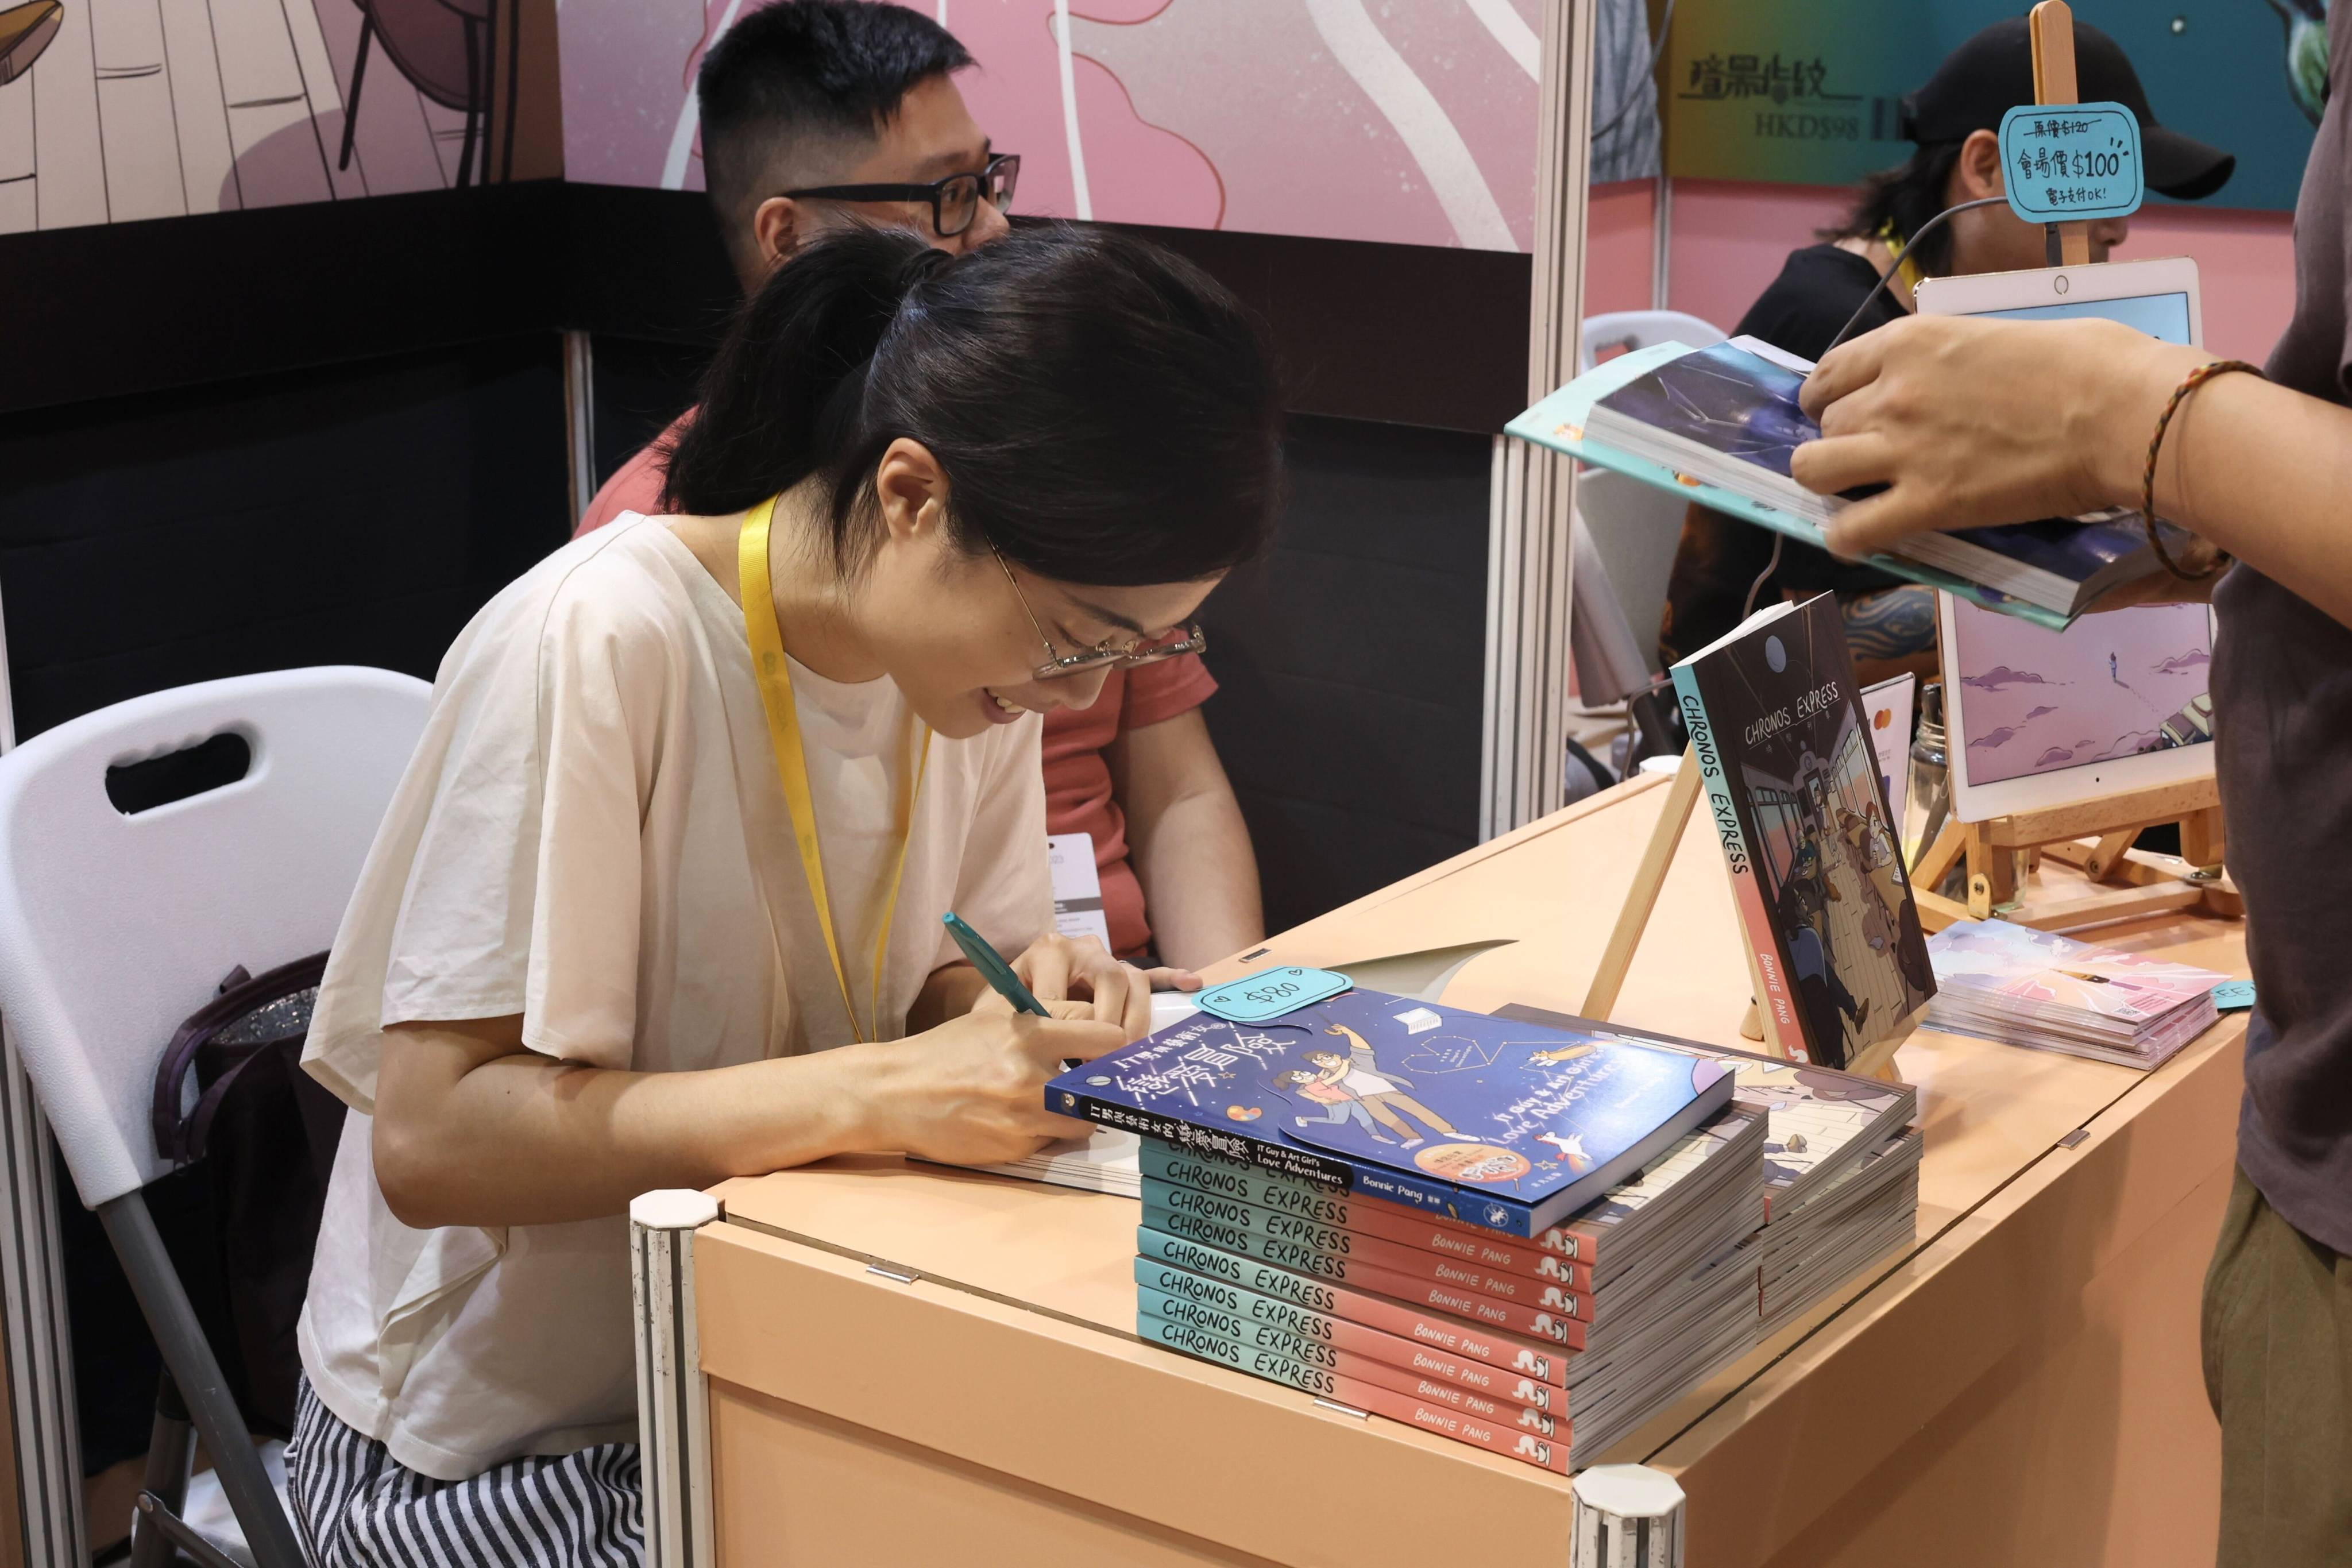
2278,1368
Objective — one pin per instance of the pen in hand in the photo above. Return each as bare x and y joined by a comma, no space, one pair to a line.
992,967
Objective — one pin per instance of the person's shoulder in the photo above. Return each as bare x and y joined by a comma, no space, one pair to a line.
1817,292
637,485
621,595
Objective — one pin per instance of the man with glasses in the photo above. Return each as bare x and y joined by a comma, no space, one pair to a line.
817,113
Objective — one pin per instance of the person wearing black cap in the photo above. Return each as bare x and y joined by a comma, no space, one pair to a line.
1971,423
1721,565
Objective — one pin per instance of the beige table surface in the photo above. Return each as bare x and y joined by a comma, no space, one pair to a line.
2019,1384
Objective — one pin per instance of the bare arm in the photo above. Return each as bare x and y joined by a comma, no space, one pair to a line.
473,1128
1972,422
1190,848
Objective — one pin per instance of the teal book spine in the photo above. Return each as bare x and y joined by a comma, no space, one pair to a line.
1707,754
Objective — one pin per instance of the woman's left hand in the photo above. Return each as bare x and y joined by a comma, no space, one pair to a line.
1057,968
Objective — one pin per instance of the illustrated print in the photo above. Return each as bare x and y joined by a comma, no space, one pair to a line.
1551,1328
1531,1392
1553,1268
1339,1104
1553,1058
1527,1361
1571,1149
1529,1447
1553,1296
1536,1420
1451,1053
1384,1097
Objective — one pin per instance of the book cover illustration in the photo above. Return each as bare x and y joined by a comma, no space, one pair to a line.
2041,967
1814,1115
1794,789
1725,398
1506,1124
1738,406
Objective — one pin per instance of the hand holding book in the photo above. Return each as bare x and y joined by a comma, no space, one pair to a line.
1973,424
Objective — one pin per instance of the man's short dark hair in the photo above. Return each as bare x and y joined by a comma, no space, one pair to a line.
797,80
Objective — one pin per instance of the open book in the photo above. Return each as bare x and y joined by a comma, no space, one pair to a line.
1719,425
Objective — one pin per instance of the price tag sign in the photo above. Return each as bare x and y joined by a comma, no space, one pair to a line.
2232,995
1270,992
2070,163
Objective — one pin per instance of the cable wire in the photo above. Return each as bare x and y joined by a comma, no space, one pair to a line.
1923,230
1649,73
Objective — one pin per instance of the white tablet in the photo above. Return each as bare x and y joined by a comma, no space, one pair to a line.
2034,718
2159,296
2117,702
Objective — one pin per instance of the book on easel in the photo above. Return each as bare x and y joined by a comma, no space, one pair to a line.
1783,751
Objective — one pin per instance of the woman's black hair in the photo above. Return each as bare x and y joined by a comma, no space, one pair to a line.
1105,411
1903,198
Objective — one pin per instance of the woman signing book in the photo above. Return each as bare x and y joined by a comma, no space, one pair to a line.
658,901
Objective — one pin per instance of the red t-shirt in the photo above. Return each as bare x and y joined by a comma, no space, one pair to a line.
1078,797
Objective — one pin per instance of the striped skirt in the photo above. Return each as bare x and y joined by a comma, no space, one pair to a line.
355,1506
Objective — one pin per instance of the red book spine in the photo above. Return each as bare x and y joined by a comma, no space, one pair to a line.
1354,1350
1505,1438
1317,1309
1504,1300
1489,1250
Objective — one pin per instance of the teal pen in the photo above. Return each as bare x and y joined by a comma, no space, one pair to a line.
991,966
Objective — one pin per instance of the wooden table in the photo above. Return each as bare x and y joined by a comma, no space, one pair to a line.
912,1365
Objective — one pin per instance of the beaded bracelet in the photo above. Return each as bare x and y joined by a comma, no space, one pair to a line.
2196,378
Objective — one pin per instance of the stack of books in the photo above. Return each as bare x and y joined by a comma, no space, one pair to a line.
2034,988
1840,1173
1865,1212
1522,1238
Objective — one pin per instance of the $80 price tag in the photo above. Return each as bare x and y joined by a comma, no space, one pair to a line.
1270,992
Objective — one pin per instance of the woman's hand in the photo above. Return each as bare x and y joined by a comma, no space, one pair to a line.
1974,423
1058,968
972,1091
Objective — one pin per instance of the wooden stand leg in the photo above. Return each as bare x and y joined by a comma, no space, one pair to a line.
2201,837
2101,862
1650,875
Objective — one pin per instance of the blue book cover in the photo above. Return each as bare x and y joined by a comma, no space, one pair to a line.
1508,1125
1739,405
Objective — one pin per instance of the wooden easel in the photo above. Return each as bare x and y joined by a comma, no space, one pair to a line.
1780,1035
2096,836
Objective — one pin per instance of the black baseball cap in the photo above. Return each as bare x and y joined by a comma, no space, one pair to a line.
1992,73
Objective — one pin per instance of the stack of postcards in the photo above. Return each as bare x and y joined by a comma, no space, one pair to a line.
2035,988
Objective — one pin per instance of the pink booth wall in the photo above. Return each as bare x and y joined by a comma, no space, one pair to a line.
1728,239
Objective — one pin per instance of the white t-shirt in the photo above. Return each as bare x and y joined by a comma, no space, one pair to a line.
592,835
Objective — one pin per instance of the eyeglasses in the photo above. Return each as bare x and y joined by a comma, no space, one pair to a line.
1057,666
954,201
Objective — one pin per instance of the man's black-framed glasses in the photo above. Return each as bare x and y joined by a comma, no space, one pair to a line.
954,201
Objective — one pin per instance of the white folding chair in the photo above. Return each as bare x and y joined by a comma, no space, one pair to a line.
115,926
1629,329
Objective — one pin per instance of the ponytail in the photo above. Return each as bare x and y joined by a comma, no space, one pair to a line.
1104,412
787,380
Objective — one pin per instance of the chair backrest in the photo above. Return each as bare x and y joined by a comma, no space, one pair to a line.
427,40
115,927
1630,329
1634,528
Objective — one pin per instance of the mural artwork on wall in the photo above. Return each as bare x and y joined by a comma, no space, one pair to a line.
1809,90
113,110
1407,121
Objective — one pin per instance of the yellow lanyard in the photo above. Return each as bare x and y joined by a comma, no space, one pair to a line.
1905,267
766,635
